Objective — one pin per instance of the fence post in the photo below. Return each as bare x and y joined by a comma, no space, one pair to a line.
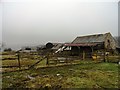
47,62
104,55
19,60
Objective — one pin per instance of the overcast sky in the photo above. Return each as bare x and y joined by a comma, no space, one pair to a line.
35,22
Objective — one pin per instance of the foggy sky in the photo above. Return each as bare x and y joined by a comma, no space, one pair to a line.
35,23
119,19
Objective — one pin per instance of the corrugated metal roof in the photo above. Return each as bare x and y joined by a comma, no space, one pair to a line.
90,38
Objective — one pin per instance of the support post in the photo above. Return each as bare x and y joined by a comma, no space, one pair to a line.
79,52
92,51
83,54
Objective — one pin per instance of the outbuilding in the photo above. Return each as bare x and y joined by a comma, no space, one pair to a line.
86,46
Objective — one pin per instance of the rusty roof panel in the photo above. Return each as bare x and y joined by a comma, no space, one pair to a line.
82,44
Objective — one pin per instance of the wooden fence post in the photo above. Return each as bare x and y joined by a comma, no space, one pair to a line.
47,62
19,61
104,55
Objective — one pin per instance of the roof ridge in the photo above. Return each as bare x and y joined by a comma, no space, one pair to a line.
90,35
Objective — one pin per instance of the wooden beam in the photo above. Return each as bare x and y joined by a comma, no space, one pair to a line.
92,51
83,54
37,62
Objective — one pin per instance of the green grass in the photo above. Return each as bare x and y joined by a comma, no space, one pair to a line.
87,74
84,75
25,63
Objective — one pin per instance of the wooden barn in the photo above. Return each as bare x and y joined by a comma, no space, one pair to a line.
86,46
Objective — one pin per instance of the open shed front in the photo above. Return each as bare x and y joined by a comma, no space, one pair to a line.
89,50
82,50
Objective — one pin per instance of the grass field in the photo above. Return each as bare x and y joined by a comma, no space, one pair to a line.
83,75
25,63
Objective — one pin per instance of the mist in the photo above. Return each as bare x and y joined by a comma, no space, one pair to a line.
34,23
